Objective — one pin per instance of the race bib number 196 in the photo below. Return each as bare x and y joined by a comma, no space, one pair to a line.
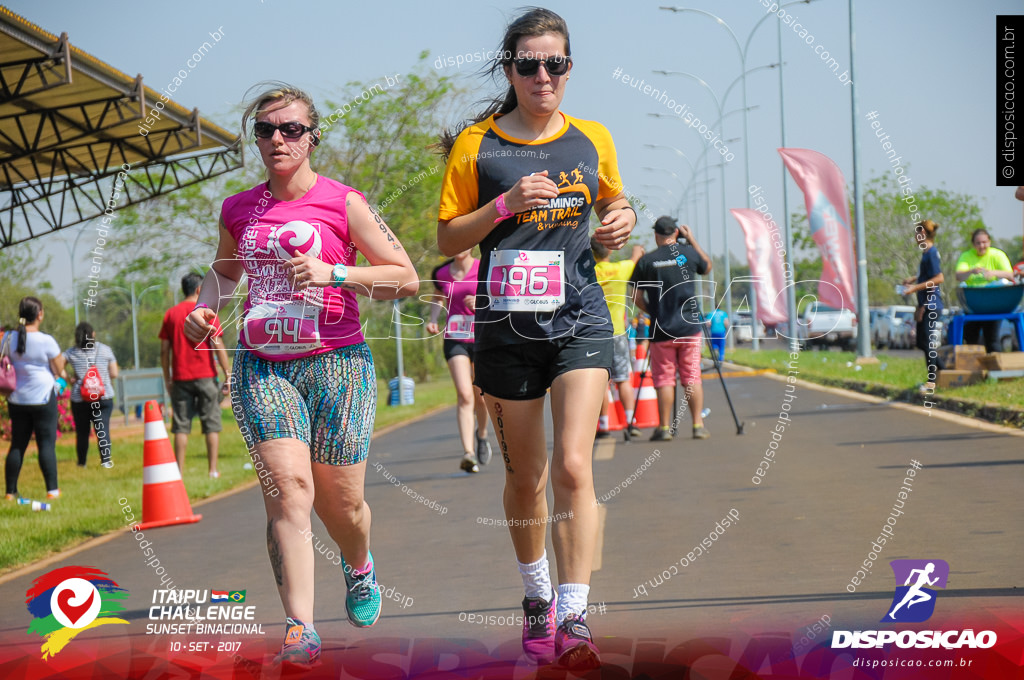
526,280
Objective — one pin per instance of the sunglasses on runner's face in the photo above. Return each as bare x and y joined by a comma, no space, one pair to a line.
556,66
289,130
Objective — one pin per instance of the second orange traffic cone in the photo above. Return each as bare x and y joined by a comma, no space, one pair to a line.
164,500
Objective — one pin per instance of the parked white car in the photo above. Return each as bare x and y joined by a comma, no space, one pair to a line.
895,327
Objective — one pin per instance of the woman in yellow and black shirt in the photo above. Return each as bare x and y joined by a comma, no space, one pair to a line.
521,182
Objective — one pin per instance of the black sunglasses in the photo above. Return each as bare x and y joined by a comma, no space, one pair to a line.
556,66
289,130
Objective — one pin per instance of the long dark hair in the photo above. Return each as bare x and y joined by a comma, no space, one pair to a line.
533,22
84,336
29,310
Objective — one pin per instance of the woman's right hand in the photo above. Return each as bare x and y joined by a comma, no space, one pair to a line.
532,191
433,328
199,324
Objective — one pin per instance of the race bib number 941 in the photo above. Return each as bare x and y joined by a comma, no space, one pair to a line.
526,280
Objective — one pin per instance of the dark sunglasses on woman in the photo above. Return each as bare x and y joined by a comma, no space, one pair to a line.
556,66
289,130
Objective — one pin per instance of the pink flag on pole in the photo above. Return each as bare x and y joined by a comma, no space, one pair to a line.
829,214
765,264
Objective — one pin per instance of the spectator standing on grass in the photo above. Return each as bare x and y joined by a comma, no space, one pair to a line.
664,288
929,298
190,376
33,405
91,414
614,280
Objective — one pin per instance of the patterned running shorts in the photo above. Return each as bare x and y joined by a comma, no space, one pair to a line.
327,401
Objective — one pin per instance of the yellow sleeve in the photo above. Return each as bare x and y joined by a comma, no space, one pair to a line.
610,183
460,187
626,269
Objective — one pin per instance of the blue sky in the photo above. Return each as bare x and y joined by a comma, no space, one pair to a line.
925,66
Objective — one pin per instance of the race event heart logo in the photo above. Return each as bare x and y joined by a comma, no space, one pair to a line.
75,603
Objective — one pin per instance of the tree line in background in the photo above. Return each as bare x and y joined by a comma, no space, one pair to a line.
383,146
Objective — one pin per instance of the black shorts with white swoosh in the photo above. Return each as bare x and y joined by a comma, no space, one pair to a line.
526,370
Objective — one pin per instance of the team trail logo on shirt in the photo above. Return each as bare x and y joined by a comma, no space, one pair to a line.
564,210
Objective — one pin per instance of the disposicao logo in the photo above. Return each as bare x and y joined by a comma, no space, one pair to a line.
69,600
922,573
913,602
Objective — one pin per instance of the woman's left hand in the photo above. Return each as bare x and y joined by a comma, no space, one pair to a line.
615,228
304,271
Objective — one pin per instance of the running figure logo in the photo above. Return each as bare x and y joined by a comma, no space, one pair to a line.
915,575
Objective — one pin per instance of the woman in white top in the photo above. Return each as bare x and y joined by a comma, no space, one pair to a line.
33,405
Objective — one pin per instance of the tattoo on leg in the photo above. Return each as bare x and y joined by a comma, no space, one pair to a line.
501,437
274,550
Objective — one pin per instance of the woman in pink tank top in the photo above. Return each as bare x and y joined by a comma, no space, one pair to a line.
303,382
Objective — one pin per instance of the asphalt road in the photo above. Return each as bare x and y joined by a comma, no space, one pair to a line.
800,537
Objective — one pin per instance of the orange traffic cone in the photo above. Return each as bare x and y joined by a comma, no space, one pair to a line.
164,501
646,414
616,413
638,362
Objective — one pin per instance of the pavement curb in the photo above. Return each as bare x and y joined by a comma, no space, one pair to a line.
937,411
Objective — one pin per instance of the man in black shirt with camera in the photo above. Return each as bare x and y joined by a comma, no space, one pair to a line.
664,281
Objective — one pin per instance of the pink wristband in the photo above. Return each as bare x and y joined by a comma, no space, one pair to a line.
503,212
201,305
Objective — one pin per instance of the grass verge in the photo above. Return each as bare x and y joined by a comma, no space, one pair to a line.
90,503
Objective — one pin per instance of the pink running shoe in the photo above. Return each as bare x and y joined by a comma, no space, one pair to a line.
539,629
574,645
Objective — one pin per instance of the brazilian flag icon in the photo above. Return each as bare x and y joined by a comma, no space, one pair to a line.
237,596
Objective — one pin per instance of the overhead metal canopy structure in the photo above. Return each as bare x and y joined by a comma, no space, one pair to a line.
69,123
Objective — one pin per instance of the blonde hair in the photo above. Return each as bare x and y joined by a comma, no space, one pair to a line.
929,227
267,100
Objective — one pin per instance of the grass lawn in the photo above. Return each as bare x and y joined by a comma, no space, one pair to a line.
893,377
89,505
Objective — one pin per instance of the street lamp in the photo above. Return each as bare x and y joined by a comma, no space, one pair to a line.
725,229
71,257
134,306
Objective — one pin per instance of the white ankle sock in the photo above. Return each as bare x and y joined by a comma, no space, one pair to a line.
536,577
572,599
629,416
602,422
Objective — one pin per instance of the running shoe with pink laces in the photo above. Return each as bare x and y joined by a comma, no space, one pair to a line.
539,628
574,646
301,645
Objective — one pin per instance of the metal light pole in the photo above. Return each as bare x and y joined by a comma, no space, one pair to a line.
863,334
71,257
725,230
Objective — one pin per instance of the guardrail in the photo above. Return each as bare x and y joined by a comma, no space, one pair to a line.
137,387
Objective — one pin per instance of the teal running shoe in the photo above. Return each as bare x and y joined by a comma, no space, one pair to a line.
363,599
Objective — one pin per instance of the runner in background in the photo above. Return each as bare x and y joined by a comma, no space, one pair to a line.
522,181
303,376
456,281
718,324
614,280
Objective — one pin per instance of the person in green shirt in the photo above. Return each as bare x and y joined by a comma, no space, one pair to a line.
983,264
980,266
